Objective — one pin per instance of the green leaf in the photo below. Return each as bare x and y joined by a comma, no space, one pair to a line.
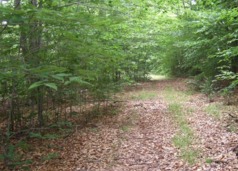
76,80
50,156
35,135
35,85
51,136
51,85
60,76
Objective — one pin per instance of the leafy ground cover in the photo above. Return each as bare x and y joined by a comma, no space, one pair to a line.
161,126
168,129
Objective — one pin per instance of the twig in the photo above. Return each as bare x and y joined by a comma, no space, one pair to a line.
4,28
232,116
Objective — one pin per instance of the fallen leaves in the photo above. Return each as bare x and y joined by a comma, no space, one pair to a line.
140,136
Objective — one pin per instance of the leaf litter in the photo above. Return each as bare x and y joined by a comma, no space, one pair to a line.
140,137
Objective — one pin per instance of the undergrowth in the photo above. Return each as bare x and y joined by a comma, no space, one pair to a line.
214,110
171,95
14,152
144,95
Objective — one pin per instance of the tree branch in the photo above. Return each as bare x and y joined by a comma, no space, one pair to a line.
87,5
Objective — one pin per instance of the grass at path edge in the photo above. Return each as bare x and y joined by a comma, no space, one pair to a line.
184,138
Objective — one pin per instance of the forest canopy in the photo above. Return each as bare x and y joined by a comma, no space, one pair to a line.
54,48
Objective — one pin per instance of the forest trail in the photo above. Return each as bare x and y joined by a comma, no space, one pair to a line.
162,126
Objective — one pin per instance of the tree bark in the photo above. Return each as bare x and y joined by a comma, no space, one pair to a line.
35,37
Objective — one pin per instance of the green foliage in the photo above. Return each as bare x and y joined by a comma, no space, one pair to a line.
144,95
184,139
45,136
214,110
125,128
23,145
51,51
41,83
174,96
201,41
207,87
62,124
191,156
11,157
209,161
50,156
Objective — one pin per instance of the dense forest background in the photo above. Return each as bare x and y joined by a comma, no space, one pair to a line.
57,54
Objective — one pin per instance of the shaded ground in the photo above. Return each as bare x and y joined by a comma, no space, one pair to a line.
141,135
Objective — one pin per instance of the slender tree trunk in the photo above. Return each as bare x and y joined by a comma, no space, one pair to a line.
184,4
17,4
34,48
11,115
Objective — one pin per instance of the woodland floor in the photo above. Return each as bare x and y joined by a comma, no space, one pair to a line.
160,126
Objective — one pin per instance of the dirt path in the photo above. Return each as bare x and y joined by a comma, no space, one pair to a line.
142,135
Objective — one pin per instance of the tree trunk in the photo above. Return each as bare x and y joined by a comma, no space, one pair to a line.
35,29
